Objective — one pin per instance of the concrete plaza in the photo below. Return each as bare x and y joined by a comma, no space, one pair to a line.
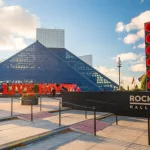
129,134
48,104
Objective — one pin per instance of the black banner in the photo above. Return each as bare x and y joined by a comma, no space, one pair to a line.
135,104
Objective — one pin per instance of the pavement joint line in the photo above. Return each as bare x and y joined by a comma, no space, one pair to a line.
116,140
134,141
104,116
32,139
8,118
97,118
77,130
67,141
65,109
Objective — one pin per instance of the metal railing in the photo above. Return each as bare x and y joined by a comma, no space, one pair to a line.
30,101
95,101
92,108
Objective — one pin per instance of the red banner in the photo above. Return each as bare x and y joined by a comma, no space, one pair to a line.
42,88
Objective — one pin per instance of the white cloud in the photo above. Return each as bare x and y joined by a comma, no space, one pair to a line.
140,59
141,45
17,24
109,72
133,38
126,56
138,67
140,33
142,1
119,27
136,23
18,21
127,81
1,3
112,73
132,57
130,39
12,43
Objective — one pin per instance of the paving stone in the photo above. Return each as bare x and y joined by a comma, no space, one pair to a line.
104,146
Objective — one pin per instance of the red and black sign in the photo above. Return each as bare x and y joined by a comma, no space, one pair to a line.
147,50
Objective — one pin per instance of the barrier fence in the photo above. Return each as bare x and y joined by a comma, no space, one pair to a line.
94,105
71,104
127,103
13,106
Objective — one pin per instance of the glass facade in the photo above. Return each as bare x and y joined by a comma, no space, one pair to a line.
103,82
87,59
39,64
51,38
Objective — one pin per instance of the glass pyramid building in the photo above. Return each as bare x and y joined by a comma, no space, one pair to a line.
39,64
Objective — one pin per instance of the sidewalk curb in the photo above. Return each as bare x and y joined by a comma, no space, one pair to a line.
41,136
18,117
8,118
32,139
105,116
54,111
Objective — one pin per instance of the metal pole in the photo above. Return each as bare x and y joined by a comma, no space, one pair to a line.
85,111
59,113
148,130
31,111
116,118
40,103
11,106
119,78
119,66
94,121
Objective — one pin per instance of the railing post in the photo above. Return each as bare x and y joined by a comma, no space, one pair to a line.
85,111
94,121
31,111
11,106
40,103
116,117
60,113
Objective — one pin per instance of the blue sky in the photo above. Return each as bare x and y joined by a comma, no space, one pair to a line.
90,28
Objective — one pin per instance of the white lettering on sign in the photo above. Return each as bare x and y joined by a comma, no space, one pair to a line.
139,98
139,102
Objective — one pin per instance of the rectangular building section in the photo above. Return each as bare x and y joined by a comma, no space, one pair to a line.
87,59
51,38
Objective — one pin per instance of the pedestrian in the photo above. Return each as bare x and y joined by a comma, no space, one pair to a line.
78,89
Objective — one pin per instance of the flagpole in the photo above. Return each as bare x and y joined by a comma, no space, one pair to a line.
134,82
119,66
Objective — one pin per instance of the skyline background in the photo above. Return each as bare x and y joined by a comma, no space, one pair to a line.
106,29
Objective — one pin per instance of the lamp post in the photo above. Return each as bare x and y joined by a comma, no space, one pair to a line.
119,66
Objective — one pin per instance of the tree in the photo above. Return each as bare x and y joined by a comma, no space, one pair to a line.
121,88
36,88
115,89
136,87
128,88
143,83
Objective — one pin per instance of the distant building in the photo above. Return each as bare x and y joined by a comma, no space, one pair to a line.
51,38
87,59
47,61
38,64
